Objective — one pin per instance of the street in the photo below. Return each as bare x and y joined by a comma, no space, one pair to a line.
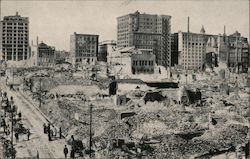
33,120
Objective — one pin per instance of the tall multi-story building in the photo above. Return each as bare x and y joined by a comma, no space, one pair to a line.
174,49
192,49
14,43
146,31
83,48
198,50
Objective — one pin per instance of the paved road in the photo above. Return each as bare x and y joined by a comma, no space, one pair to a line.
33,120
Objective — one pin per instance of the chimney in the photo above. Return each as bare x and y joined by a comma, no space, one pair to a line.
188,25
224,30
16,13
37,41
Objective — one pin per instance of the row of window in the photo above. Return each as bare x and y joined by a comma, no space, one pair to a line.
143,70
122,42
45,59
191,43
10,24
11,35
14,27
92,39
18,35
143,63
195,61
19,57
144,42
83,59
122,31
85,49
15,42
123,34
191,57
193,50
85,54
15,31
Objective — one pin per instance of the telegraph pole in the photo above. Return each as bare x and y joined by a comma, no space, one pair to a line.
40,92
12,126
90,131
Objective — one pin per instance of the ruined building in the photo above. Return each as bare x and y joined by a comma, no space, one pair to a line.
196,51
83,48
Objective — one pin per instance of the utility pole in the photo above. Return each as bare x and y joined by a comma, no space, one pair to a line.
40,92
90,131
12,126
12,116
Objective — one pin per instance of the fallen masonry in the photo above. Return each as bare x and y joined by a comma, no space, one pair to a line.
197,120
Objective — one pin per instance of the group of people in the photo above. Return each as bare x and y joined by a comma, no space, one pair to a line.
17,135
48,130
66,151
72,152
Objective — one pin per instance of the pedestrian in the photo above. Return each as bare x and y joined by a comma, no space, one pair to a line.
44,128
72,138
51,133
49,136
60,132
17,137
55,132
37,154
65,151
20,115
8,131
28,134
72,153
48,128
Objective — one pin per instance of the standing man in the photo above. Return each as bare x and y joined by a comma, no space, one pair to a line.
72,153
65,151
44,128
17,137
49,133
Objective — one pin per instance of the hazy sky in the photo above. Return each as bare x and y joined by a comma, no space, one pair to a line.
54,20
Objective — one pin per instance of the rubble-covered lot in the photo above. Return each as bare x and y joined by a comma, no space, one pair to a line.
156,129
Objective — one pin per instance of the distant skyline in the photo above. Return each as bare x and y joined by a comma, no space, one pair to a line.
55,20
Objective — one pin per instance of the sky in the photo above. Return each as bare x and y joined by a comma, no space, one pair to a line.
55,20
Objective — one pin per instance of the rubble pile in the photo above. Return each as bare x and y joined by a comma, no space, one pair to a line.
172,130
174,146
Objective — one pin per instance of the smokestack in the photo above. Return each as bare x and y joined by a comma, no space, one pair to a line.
224,30
37,41
188,25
